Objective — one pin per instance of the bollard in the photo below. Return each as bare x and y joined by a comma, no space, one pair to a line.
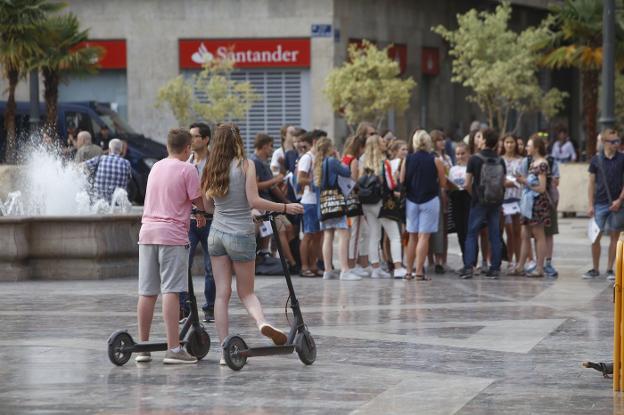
617,317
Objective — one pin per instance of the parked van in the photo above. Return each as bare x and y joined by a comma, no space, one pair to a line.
91,116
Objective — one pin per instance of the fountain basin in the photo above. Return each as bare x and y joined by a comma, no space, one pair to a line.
69,247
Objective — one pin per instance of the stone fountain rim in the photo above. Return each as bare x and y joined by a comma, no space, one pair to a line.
108,217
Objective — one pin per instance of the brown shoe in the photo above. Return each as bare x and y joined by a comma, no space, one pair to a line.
278,336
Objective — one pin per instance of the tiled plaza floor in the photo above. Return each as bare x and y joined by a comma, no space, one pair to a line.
446,346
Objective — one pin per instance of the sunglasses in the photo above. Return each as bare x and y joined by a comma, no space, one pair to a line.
613,141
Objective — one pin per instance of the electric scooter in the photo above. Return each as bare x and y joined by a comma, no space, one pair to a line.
193,337
236,351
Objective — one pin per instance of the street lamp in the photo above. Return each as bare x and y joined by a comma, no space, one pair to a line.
607,120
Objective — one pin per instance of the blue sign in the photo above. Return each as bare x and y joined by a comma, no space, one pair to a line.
321,30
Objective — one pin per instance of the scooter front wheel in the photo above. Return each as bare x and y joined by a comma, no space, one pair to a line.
305,347
117,343
232,348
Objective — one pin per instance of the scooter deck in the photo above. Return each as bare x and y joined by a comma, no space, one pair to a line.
268,350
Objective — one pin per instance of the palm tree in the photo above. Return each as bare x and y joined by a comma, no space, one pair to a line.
18,42
577,43
62,54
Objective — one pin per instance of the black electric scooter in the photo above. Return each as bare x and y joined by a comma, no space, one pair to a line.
236,351
193,336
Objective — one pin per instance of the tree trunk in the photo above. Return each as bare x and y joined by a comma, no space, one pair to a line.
51,81
590,81
10,152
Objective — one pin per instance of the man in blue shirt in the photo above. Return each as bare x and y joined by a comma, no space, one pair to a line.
606,193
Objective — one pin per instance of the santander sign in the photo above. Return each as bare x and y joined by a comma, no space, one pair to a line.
246,53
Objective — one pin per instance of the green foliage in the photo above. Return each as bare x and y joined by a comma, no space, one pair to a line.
367,86
59,37
500,66
19,24
224,98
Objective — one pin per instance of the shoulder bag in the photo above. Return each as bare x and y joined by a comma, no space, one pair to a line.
331,201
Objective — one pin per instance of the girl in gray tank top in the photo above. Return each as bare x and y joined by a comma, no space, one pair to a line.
230,181
232,212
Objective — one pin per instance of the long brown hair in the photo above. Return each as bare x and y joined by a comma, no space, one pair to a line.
323,148
226,145
373,156
354,146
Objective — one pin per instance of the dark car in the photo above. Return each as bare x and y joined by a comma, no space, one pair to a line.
92,116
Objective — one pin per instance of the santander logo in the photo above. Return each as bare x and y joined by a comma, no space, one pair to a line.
202,55
246,52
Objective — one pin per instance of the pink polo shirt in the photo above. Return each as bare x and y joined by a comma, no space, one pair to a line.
171,186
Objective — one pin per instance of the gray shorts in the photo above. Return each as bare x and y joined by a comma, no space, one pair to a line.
240,248
163,268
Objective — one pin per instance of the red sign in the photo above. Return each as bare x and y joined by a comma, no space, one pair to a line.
114,56
430,61
396,51
246,53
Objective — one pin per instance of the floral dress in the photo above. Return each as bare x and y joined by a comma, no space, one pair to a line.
541,204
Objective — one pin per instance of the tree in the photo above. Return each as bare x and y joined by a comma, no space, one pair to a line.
576,42
367,86
500,66
19,21
223,99
62,55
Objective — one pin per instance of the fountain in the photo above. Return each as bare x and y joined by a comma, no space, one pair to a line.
53,228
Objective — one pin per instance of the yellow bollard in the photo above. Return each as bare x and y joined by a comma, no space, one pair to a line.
617,318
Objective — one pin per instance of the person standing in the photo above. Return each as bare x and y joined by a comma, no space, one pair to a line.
375,164
485,181
535,206
229,183
111,171
438,247
605,194
86,149
511,204
423,176
563,149
459,198
172,188
278,158
200,138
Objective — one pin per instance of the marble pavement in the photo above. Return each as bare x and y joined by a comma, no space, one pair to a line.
511,346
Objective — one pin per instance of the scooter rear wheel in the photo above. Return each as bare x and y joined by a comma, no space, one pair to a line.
198,343
116,343
232,346
305,347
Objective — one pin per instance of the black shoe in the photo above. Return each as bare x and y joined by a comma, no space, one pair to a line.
208,315
491,274
439,269
465,273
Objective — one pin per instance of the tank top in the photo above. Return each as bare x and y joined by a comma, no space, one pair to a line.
421,177
347,159
232,212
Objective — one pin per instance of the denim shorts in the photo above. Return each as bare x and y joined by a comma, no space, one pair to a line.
311,223
602,215
422,217
335,223
240,248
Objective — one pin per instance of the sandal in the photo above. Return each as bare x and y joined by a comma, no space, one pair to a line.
534,274
516,273
422,277
409,276
308,274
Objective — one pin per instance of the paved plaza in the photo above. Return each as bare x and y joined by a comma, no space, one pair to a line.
446,346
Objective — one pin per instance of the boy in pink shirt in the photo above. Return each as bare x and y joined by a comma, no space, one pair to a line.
172,188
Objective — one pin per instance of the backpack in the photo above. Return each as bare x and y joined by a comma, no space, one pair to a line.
369,188
491,189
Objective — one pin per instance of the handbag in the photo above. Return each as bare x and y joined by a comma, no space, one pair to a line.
615,219
390,203
331,201
353,205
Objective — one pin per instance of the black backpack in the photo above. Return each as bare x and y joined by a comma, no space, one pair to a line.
491,189
369,188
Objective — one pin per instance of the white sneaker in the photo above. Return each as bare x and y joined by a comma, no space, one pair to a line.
362,272
400,273
530,265
349,276
330,275
380,273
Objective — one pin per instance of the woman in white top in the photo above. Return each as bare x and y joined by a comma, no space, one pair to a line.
511,204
